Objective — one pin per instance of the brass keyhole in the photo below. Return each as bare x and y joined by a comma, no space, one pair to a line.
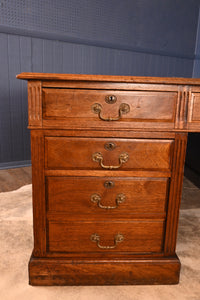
109,184
110,99
109,146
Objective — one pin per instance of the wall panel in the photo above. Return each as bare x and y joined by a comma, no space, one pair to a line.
27,54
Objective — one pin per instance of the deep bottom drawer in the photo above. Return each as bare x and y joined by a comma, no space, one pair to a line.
133,236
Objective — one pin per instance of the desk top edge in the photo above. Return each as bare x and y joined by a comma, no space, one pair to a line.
110,78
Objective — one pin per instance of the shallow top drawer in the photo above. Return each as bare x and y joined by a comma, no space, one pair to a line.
99,108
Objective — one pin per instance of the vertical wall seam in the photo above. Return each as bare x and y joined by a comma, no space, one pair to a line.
9,95
22,110
196,50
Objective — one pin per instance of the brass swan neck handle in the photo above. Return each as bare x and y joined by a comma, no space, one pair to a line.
124,108
96,198
98,157
117,239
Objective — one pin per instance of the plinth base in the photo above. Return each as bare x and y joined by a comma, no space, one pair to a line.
61,271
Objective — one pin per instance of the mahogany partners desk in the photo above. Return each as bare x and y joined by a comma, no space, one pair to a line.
107,163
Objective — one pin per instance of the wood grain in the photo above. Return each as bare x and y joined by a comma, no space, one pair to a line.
142,195
139,236
72,103
38,186
108,133
65,134
161,80
35,103
182,107
104,272
77,153
194,115
175,193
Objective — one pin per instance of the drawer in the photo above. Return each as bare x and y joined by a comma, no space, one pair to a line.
194,113
107,153
133,236
81,107
106,196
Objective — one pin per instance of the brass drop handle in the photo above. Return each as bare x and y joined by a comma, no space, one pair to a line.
117,239
124,108
98,157
96,198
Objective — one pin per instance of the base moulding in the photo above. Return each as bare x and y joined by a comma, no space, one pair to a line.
62,271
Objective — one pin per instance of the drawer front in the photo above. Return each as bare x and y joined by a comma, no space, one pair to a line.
134,236
194,113
107,153
106,196
193,118
98,106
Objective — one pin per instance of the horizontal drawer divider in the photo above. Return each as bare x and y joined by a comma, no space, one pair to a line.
110,173
130,134
130,124
86,218
97,85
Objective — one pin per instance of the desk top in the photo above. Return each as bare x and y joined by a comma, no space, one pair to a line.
110,78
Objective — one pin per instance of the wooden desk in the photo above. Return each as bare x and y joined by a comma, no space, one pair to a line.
107,160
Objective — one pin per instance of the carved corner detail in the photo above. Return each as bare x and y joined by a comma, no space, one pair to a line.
35,103
182,107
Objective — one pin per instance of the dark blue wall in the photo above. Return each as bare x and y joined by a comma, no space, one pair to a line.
130,37
196,68
167,27
193,147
